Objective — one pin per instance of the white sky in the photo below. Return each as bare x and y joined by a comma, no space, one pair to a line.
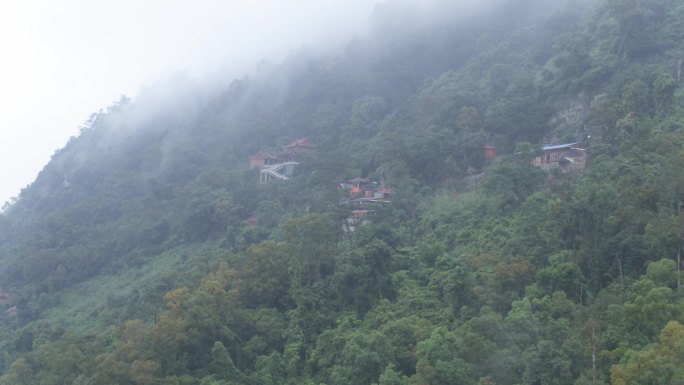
61,60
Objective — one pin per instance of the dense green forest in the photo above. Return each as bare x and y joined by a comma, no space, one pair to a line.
147,252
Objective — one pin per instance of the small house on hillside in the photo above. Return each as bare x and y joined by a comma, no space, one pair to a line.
261,159
568,156
362,197
280,165
360,186
356,218
382,194
365,188
362,192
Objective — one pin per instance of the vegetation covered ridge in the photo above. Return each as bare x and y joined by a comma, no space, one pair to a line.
150,251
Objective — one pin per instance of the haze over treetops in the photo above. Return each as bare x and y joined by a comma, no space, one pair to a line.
487,195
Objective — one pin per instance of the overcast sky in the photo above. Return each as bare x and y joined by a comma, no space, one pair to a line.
62,60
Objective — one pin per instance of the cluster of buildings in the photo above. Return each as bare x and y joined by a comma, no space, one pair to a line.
362,195
280,164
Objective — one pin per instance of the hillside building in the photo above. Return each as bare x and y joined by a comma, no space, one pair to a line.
261,159
280,165
568,156
362,196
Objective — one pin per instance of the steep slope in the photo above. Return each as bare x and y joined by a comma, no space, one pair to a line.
132,257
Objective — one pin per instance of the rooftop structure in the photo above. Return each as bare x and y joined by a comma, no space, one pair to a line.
261,159
280,165
568,156
299,146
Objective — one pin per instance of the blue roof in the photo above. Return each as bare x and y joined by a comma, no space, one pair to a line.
559,146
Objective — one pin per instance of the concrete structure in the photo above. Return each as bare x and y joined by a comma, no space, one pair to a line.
280,165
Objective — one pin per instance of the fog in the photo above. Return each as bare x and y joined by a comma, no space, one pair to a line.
67,59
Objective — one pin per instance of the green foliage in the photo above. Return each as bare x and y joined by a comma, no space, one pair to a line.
312,239
656,363
131,260
511,184
221,363
264,278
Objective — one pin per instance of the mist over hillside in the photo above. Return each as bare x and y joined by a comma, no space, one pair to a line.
68,58
476,193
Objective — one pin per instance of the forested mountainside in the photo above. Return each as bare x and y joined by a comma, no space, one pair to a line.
148,252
